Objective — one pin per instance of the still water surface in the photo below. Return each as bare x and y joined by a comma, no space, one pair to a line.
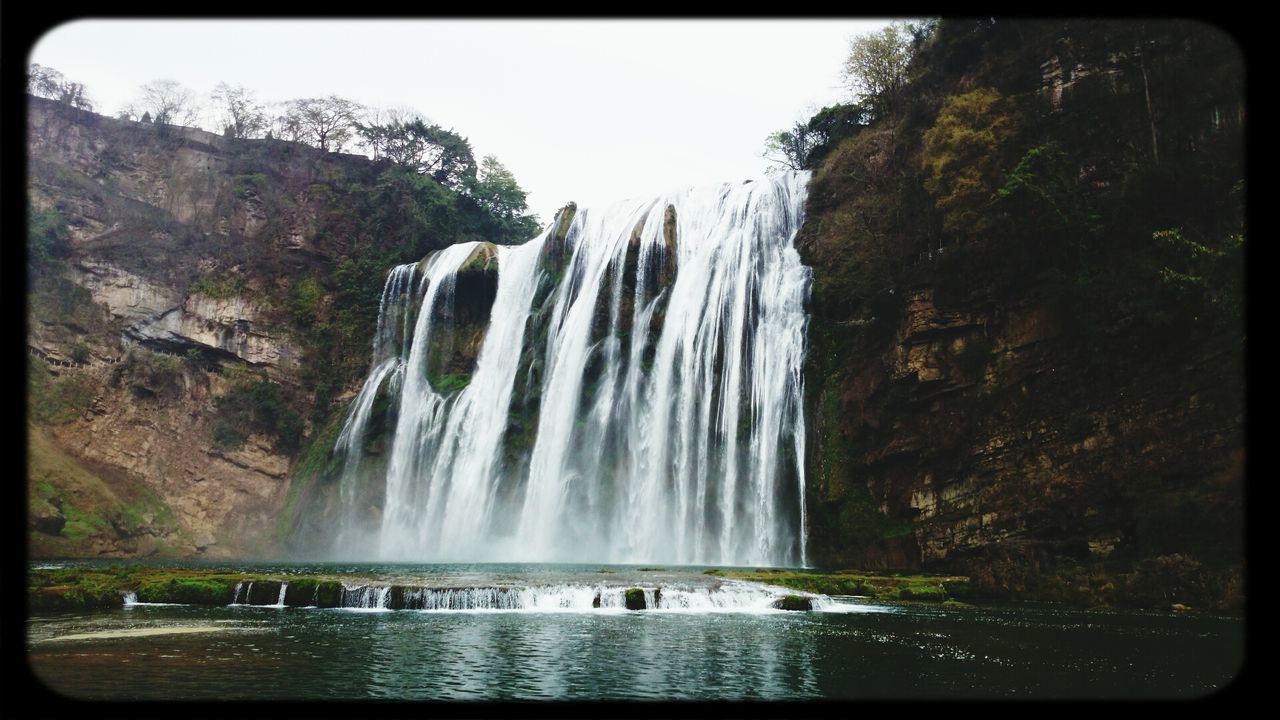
854,650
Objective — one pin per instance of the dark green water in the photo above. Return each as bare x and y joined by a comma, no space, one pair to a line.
865,651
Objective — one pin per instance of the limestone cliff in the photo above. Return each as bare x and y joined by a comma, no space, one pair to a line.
1029,399
197,305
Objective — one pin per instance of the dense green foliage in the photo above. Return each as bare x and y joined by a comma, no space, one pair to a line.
1120,197
962,153
48,239
426,149
255,404
56,400
831,126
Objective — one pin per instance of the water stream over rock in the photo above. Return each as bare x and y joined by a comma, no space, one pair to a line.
626,387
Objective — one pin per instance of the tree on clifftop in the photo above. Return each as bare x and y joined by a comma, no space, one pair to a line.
327,123
406,139
168,102
48,83
876,69
242,117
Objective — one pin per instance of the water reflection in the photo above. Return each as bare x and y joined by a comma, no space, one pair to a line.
548,656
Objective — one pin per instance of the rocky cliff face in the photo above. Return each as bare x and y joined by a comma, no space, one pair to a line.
237,328
968,412
989,444
136,333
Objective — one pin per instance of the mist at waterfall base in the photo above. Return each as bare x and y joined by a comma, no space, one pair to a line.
636,396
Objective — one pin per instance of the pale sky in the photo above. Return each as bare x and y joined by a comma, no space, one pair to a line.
589,111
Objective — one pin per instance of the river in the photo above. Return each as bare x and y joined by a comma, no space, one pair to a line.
707,639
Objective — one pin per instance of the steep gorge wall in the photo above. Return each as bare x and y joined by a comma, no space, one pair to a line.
170,292
964,417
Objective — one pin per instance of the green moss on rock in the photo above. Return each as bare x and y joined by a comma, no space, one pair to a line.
188,591
262,592
635,599
923,593
794,602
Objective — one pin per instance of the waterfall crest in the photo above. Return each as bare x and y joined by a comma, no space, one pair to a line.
626,387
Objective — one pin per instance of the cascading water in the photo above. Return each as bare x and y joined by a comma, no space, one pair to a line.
626,388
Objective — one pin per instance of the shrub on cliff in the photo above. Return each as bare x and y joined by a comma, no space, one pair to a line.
257,405
963,153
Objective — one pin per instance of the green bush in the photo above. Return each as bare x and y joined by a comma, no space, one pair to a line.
80,353
257,405
219,288
48,238
56,400
245,186
962,153
305,300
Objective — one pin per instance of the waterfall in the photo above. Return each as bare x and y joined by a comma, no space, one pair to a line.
395,312
625,387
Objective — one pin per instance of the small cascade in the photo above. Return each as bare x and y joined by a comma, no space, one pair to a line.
682,596
365,597
561,598
727,598
280,599
824,604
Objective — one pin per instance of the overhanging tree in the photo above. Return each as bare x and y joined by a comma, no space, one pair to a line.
790,148
496,191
